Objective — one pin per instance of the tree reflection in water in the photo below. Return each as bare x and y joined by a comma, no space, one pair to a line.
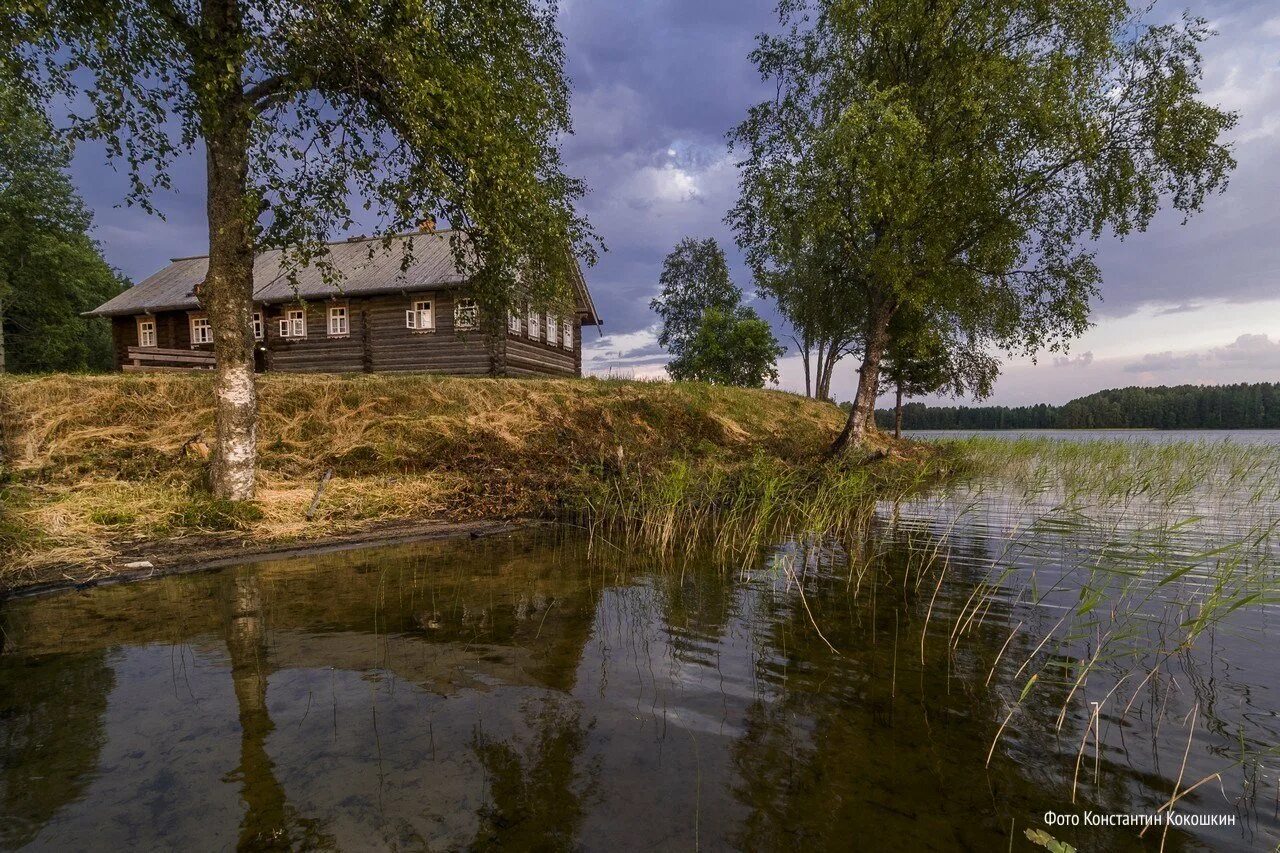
269,823
51,735
535,794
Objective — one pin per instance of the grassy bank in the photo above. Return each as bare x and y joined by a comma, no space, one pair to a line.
105,469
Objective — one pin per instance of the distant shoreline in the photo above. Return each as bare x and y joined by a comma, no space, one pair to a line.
1090,429
1244,406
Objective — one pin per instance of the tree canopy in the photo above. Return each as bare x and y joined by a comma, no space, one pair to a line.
711,336
960,154
50,269
694,278
730,348
308,115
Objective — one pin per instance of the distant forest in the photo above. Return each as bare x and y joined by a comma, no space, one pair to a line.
1244,406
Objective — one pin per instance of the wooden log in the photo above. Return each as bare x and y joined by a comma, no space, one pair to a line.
315,501
156,368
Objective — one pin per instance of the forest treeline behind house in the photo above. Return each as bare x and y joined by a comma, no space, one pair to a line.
51,269
1241,406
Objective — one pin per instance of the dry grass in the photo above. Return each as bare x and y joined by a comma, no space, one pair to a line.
96,465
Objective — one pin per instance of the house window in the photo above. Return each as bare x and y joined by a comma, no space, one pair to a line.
294,323
553,330
513,323
466,314
535,320
567,340
338,323
259,330
420,317
146,333
201,331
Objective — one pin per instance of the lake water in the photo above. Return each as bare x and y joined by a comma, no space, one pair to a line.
543,691
1164,436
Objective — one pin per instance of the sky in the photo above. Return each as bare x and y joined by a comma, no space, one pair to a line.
658,83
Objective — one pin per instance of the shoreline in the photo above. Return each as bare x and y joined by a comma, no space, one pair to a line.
210,553
104,479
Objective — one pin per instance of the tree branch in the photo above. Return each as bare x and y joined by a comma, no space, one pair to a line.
173,16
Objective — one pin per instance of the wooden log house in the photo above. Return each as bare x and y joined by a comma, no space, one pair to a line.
378,317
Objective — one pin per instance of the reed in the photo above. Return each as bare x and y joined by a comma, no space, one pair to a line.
1138,550
736,510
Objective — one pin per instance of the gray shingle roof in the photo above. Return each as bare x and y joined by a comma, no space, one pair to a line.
367,267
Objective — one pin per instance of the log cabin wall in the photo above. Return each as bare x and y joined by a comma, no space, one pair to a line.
377,340
173,331
318,351
124,334
392,346
525,356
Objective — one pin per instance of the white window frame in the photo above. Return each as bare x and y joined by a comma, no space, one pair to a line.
143,322
421,316
294,323
339,321
259,327
553,331
461,310
566,337
513,322
205,335
532,327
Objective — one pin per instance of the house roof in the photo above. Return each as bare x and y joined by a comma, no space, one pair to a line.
365,267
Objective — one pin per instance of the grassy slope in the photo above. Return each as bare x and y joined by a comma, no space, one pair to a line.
95,466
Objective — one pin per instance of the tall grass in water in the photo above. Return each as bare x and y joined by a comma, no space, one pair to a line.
1122,556
737,509
1115,559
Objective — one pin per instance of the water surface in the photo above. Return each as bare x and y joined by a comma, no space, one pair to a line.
1162,436
539,691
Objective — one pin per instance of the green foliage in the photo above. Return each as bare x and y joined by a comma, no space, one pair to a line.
50,270
1043,839
695,278
729,348
712,337
952,157
406,109
803,277
204,512
926,357
1241,406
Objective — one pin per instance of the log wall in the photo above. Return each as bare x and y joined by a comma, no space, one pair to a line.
377,340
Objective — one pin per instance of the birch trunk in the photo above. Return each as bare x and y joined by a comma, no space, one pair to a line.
227,291
897,414
803,345
859,422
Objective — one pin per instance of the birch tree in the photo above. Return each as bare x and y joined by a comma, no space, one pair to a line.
408,109
965,153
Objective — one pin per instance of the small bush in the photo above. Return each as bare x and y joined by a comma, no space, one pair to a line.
113,517
209,513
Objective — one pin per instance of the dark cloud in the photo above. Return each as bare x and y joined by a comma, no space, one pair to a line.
658,83
1229,251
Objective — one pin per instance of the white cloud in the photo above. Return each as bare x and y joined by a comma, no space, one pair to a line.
1257,352
634,354
1083,360
668,184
